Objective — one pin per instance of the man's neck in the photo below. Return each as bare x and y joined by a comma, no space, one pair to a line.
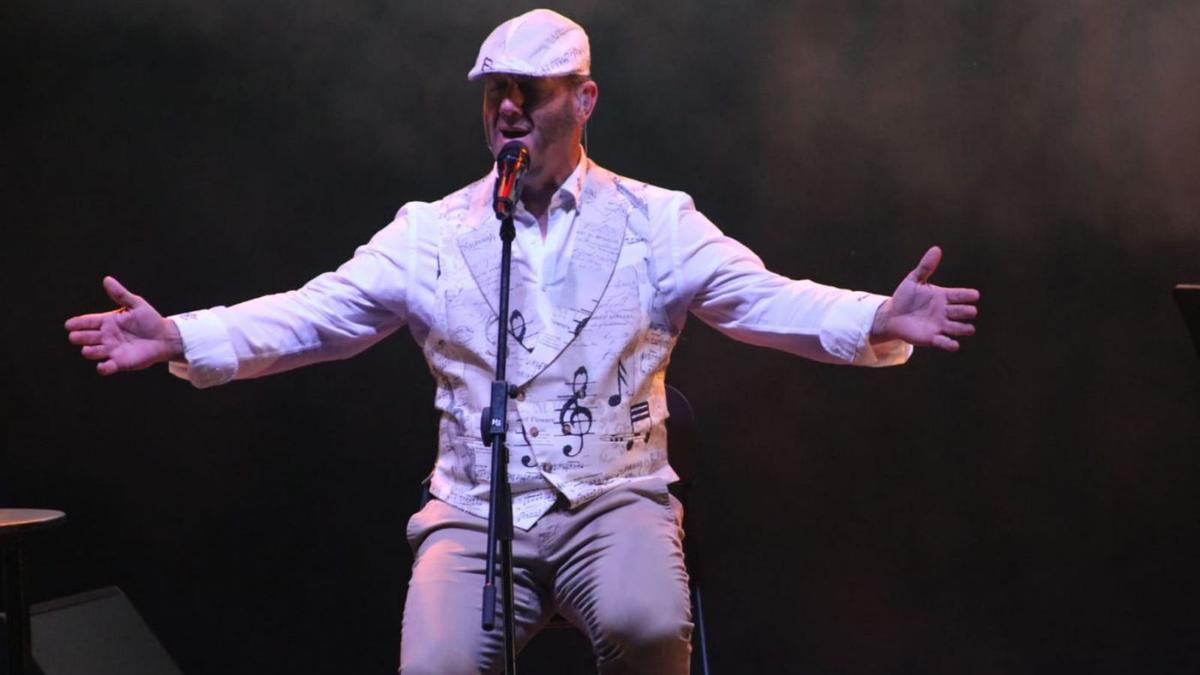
537,193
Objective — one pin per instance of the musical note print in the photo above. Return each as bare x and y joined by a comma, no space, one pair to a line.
640,412
615,399
517,328
581,324
574,417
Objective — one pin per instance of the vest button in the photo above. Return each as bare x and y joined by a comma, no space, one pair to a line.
533,431
547,467
566,428
521,395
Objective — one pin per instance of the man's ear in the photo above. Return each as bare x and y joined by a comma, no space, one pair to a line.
585,99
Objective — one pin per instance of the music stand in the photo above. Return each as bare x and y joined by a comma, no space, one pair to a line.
1187,296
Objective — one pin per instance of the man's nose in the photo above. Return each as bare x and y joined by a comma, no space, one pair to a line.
512,102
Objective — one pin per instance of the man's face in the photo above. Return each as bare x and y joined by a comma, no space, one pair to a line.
538,111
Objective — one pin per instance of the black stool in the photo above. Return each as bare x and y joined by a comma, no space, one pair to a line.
15,525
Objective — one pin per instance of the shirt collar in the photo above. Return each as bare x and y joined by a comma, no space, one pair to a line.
568,193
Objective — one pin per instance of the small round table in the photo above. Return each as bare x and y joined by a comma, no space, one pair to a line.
15,525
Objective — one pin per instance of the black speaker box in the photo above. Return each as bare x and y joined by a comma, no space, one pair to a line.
95,633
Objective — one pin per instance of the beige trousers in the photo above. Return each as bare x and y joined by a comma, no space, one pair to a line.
613,567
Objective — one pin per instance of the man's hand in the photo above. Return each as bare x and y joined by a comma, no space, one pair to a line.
131,338
923,314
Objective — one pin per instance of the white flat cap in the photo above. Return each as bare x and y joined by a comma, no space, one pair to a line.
539,43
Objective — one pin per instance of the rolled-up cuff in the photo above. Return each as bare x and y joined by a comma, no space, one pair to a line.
209,356
846,334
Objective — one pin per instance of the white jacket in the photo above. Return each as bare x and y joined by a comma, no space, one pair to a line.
588,347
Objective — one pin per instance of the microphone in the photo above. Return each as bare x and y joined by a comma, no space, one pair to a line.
511,164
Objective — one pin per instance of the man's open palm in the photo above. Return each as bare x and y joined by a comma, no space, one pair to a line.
133,337
923,314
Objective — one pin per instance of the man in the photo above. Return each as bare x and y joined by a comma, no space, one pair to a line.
605,270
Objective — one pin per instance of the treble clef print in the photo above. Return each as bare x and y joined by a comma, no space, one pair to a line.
516,326
574,417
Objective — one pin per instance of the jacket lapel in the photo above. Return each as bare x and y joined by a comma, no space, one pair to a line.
479,243
595,246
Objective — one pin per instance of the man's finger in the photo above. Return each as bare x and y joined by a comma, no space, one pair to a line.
958,328
84,322
945,343
928,264
108,367
94,352
120,294
961,312
84,337
960,295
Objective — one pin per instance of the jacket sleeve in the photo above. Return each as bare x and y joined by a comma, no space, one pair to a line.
336,315
727,286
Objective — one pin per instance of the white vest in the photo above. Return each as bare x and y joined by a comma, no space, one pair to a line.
591,407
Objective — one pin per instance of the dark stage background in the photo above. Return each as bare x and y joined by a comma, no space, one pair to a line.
1028,505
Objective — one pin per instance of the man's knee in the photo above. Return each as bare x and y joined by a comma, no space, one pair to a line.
438,660
641,630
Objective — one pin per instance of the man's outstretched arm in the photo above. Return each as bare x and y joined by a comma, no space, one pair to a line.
727,286
335,315
133,337
923,314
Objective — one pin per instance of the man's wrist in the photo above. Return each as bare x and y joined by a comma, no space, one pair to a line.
172,341
879,329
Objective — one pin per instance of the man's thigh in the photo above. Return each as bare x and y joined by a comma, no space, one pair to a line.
622,580
442,632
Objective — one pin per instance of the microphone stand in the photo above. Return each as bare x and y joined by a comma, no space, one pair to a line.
494,424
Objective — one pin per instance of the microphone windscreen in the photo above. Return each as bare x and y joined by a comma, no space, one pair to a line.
511,151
